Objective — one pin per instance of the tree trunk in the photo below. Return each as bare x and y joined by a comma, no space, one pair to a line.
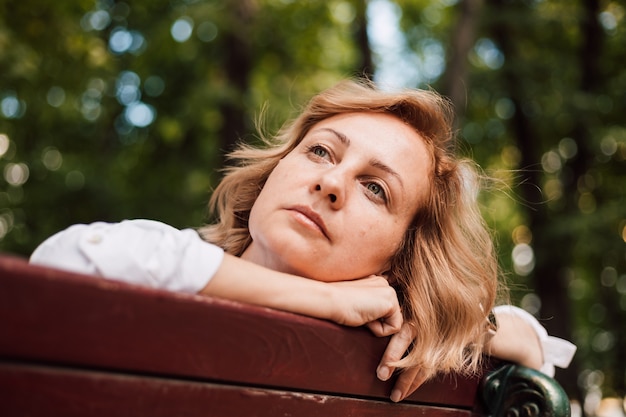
238,65
366,65
455,80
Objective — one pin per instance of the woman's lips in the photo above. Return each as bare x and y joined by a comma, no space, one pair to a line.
311,217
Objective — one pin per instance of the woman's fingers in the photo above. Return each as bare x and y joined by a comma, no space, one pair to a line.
388,325
408,381
396,348
374,297
410,378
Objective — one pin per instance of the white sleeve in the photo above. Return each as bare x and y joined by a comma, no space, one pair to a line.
142,252
556,351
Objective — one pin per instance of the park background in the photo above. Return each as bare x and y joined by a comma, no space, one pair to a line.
112,110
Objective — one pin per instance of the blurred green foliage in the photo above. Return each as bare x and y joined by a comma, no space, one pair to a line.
113,110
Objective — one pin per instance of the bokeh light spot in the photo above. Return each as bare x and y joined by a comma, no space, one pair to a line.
568,148
587,203
603,341
489,53
608,277
207,31
55,96
553,189
11,107
120,40
343,12
154,86
139,114
181,29
522,234
531,303
504,108
608,20
4,144
74,180
608,145
16,174
523,259
52,158
551,162
95,20
6,223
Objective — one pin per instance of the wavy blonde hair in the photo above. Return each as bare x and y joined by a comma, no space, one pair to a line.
445,270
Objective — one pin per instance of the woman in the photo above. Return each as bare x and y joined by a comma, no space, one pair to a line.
359,194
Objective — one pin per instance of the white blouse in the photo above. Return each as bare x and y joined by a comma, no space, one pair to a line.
142,252
556,351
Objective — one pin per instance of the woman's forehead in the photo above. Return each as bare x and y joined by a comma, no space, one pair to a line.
384,131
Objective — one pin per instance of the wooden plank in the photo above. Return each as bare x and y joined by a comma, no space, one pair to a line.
56,317
49,392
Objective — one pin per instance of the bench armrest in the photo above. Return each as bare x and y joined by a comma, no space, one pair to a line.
516,391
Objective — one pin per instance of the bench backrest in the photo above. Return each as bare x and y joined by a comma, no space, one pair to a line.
84,346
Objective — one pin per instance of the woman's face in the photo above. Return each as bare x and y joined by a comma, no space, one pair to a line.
338,205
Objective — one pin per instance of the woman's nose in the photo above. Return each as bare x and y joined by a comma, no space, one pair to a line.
331,196
331,187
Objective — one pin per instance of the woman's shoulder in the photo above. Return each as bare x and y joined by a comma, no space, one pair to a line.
138,251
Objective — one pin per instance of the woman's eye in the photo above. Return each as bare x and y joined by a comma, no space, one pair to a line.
319,151
376,189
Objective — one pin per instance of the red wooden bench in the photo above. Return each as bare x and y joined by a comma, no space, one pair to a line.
72,345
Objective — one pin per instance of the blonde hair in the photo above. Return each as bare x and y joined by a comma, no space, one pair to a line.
445,270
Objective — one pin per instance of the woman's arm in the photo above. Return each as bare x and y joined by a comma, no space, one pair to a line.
520,338
153,254
368,301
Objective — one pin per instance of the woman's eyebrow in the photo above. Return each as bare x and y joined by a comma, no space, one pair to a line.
342,138
376,163
386,168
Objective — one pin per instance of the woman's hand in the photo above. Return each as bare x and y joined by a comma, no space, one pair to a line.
409,379
515,341
370,301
